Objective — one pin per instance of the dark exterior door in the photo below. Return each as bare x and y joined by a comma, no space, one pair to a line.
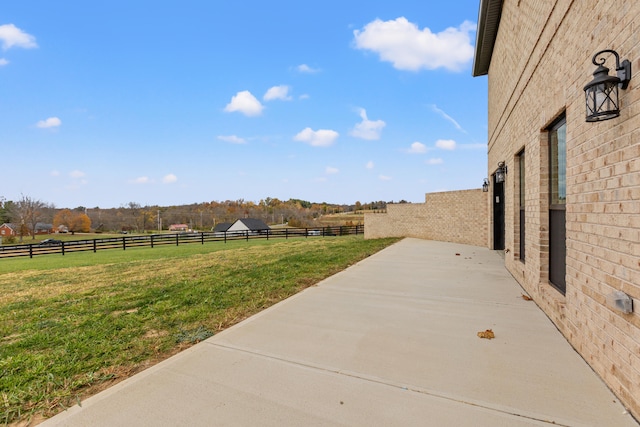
522,181
498,214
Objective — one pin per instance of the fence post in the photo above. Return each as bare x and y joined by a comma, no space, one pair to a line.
177,240
268,231
225,236
306,232
286,233
202,237
62,248
152,241
94,246
30,251
124,243
247,235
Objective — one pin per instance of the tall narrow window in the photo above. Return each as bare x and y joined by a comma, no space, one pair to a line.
558,199
558,146
521,179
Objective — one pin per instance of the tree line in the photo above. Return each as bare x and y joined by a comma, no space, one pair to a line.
26,213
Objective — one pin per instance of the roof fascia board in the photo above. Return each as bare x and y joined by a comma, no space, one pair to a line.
488,23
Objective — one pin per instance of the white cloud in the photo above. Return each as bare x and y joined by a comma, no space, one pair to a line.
446,144
448,117
77,174
12,36
317,138
304,96
54,173
367,129
408,47
434,161
331,170
304,68
169,179
369,165
3,62
417,148
51,122
245,103
232,139
277,92
384,178
141,180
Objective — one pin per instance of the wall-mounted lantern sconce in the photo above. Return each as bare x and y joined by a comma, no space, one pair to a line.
501,172
602,92
485,185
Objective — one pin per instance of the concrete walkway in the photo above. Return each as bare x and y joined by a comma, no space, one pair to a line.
391,341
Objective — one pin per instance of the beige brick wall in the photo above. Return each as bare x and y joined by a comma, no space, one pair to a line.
450,216
540,64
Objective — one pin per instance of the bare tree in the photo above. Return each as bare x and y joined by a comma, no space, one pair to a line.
27,213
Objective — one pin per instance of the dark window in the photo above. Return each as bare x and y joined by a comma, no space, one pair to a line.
558,163
521,179
558,199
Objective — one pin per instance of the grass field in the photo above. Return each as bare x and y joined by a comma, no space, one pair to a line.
332,220
71,326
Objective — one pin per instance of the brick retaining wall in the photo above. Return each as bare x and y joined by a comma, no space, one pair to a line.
450,216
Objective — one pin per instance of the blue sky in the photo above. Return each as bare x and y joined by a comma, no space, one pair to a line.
164,103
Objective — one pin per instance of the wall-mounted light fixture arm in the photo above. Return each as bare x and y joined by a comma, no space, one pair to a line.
623,69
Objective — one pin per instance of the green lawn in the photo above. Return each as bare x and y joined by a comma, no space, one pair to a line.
72,325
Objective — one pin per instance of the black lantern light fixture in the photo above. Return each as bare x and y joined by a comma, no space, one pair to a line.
602,92
501,172
485,185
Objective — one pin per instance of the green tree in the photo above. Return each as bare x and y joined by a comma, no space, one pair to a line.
4,210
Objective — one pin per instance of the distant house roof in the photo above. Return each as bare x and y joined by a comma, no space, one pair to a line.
250,224
11,226
254,224
41,226
183,227
223,226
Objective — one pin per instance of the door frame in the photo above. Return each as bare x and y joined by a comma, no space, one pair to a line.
498,215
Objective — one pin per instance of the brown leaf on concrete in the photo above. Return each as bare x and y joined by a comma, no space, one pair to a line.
488,334
526,297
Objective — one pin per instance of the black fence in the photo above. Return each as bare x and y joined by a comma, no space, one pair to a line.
125,242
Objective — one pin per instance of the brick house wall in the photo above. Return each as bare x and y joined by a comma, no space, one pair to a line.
540,63
6,230
450,216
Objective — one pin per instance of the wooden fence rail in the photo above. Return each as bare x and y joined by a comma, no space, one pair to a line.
152,240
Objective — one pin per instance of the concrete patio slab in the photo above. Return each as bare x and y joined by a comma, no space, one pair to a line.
390,341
